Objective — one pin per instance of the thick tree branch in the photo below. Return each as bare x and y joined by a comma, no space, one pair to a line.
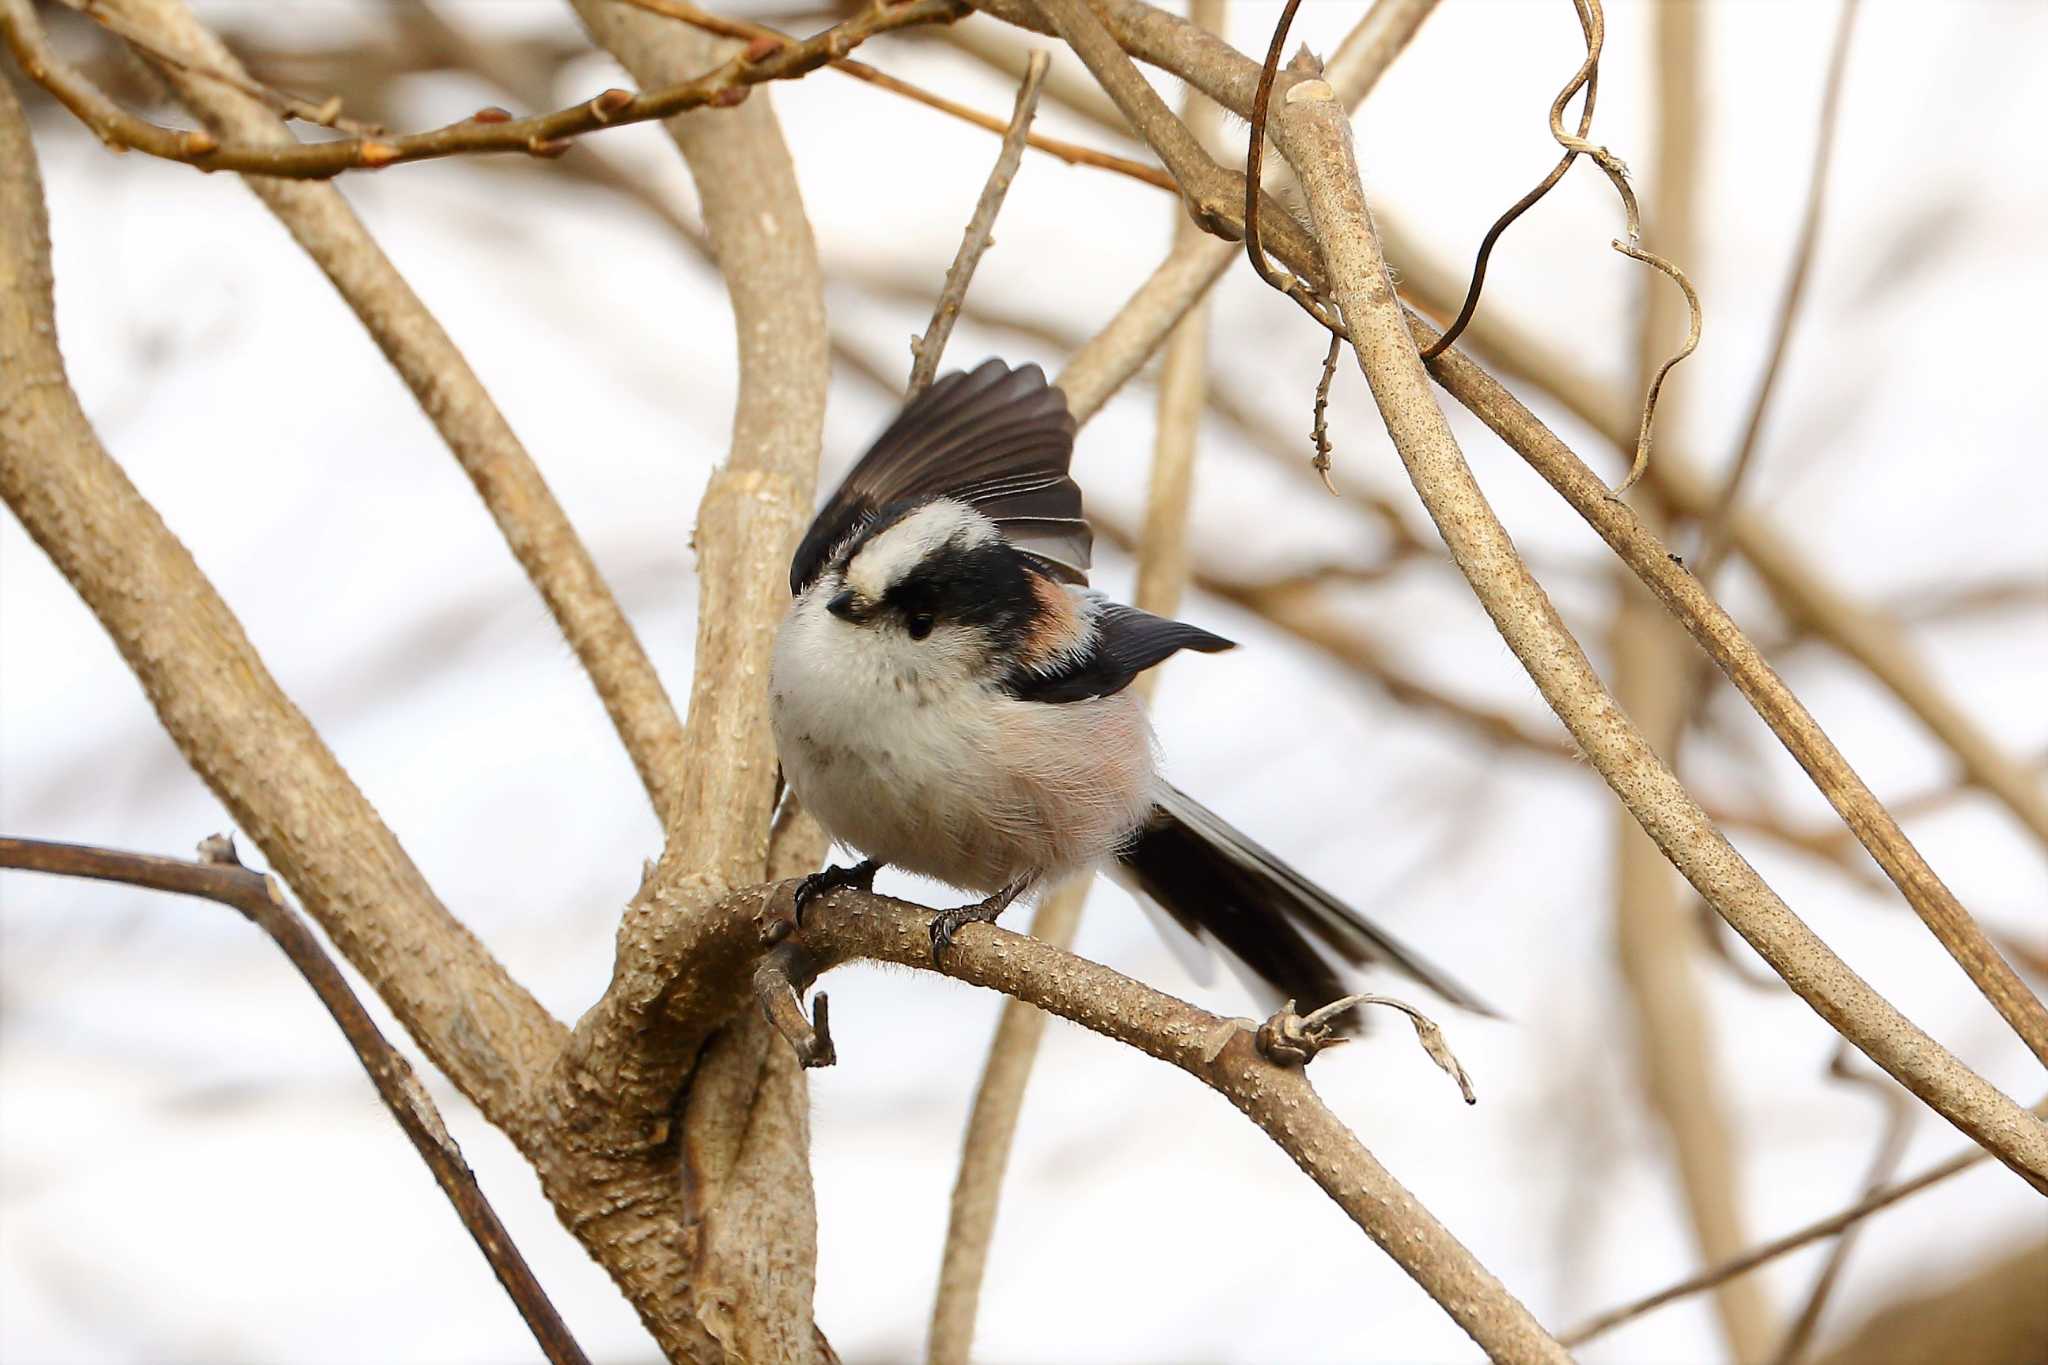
223,879
1312,131
1862,632
634,1054
1221,1053
226,714
449,392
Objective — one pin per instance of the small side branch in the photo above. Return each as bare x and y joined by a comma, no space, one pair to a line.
980,234
1781,1246
222,878
543,135
1714,535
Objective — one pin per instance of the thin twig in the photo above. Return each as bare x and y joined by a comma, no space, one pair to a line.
1780,1246
542,135
990,1138
222,878
326,113
1073,153
1319,430
1884,1168
1715,533
1289,284
926,350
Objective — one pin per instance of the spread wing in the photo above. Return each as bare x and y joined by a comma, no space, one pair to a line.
996,438
1126,643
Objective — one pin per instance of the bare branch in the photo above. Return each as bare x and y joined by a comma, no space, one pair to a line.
504,475
1788,718
1312,131
1863,632
222,878
1714,534
743,1215
542,135
849,925
980,233
227,715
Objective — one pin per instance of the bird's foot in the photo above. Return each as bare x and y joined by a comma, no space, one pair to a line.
860,876
947,923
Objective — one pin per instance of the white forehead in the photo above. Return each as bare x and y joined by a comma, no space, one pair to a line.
887,557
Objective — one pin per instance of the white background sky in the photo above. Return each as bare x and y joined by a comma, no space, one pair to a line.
192,1166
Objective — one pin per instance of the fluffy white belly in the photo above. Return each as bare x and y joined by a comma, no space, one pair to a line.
957,782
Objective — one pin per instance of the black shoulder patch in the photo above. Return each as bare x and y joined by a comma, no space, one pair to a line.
1127,642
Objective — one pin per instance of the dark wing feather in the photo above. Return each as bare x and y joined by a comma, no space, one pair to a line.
1127,642
1213,878
996,438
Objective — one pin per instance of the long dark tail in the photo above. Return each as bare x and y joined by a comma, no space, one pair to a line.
1217,883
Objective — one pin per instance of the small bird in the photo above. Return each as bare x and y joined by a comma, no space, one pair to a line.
950,699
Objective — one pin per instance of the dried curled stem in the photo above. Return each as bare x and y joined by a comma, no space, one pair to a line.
1290,1039
1593,24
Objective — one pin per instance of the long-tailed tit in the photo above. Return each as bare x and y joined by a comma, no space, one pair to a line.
950,699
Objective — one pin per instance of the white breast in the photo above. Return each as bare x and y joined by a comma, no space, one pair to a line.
900,756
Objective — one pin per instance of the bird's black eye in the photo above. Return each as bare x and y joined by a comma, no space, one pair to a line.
919,624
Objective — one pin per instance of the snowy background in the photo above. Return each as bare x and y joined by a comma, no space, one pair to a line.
192,1166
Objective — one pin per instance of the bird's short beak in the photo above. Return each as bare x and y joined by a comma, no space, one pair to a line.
842,605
